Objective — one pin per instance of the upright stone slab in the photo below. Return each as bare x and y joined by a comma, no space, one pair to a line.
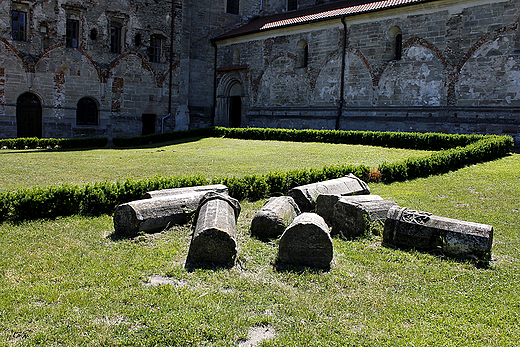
272,219
422,230
305,196
218,188
358,217
214,236
306,242
325,203
155,214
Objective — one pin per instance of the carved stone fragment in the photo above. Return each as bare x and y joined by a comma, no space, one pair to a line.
218,188
155,214
272,219
306,195
306,242
325,203
422,230
214,236
353,218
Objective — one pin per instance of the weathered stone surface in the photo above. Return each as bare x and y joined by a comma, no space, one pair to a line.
422,230
305,196
306,242
325,203
218,188
214,237
274,217
155,214
354,218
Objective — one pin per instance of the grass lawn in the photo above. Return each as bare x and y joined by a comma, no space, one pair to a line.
209,157
68,282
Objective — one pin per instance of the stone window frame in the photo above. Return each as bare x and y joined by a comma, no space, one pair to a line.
82,116
115,31
155,49
18,34
395,36
233,7
291,5
302,54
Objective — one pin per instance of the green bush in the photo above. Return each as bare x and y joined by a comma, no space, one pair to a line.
34,142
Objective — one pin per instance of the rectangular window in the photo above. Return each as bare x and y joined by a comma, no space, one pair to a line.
233,6
115,38
154,52
72,34
292,5
19,25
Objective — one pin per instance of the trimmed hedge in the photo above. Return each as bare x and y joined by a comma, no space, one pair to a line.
34,142
421,141
102,197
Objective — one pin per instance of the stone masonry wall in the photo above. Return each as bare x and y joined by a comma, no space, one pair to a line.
459,71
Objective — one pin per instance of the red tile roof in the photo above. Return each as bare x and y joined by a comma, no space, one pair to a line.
317,13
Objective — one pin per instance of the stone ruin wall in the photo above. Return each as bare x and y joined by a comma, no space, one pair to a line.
459,72
124,86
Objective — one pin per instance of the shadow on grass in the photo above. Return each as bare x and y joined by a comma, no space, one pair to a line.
192,266
478,263
161,144
299,269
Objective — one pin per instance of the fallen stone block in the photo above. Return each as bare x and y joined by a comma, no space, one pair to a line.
424,231
325,203
274,217
214,236
356,217
305,196
218,188
155,214
306,242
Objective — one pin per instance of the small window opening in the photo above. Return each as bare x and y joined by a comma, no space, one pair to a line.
93,34
398,46
115,37
138,40
292,5
19,25
302,54
236,57
72,33
154,51
87,112
233,6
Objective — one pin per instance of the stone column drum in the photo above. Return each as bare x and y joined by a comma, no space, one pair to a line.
272,219
325,203
155,214
218,188
306,195
306,242
214,236
355,217
422,230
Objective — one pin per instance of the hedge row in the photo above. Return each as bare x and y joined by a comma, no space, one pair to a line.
422,141
34,142
102,197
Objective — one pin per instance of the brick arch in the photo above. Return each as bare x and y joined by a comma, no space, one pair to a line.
453,77
27,67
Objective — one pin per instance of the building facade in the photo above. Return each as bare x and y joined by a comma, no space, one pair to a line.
104,68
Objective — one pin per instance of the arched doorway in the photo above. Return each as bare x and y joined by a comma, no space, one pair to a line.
28,116
235,105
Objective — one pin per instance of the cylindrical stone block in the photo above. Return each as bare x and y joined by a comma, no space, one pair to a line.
354,218
214,236
272,219
218,188
305,196
422,230
151,215
325,203
306,242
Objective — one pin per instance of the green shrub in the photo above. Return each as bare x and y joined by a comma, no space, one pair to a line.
34,142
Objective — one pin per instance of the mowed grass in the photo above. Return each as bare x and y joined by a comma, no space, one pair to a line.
70,282
209,157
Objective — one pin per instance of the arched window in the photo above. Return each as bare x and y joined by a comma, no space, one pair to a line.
395,36
302,54
87,112
29,116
